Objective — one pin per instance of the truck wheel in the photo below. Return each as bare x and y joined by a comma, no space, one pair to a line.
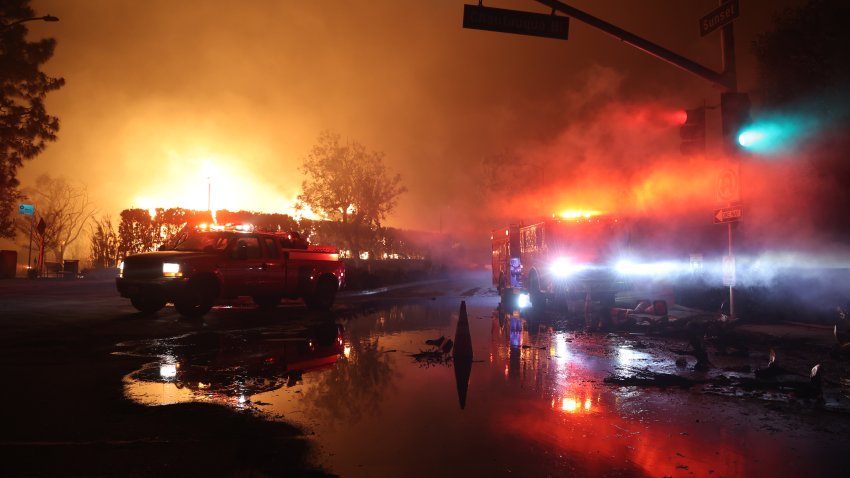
534,292
147,304
196,300
323,297
266,301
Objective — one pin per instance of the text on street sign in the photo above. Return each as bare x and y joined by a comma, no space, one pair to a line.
515,21
728,214
718,17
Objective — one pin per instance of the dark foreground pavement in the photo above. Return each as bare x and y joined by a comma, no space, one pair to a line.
63,409
64,412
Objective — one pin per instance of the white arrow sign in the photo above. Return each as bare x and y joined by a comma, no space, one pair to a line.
728,214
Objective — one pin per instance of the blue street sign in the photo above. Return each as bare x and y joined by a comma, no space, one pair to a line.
26,210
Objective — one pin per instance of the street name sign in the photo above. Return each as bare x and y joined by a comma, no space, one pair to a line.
26,210
728,214
718,17
479,17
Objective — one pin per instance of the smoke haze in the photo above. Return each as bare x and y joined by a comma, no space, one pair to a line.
174,104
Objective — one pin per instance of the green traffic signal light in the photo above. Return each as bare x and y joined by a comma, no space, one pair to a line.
774,134
750,138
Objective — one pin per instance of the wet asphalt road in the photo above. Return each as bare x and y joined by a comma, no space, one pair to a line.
95,389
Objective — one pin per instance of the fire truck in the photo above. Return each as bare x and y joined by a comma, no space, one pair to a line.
559,260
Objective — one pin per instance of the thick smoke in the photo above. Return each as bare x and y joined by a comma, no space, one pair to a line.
622,158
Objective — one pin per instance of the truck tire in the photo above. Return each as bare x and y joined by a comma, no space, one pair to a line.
197,298
147,304
322,298
535,295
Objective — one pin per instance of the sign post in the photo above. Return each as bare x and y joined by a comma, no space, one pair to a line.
42,226
28,210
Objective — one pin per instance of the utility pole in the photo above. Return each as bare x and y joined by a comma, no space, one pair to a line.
727,51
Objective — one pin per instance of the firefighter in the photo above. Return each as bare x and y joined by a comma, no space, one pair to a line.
516,272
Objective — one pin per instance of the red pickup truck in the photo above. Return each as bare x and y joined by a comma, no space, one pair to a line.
202,266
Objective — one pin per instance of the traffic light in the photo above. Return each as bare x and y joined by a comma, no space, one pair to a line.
777,133
734,117
692,132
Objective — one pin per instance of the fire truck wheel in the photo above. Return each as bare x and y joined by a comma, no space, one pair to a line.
147,304
196,300
266,301
323,297
534,292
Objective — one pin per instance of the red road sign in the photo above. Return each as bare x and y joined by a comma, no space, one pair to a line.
728,214
718,17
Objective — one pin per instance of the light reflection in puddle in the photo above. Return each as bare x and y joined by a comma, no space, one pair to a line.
231,368
536,404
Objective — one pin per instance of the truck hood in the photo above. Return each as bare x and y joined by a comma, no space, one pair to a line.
167,256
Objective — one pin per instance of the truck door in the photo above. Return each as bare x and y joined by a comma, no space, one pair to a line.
242,271
274,273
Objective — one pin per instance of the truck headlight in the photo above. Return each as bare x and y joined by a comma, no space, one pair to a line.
626,267
523,301
121,269
562,267
171,269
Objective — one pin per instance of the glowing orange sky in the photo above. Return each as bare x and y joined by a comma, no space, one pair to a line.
157,90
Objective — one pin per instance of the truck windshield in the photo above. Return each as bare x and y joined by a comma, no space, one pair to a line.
202,241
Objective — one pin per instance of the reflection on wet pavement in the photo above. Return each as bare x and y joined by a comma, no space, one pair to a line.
533,401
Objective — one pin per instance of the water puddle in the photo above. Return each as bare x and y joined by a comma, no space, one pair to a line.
383,396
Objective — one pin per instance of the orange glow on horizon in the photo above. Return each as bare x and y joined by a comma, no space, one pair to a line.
578,214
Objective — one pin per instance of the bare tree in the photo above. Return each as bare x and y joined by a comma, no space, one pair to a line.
104,244
65,209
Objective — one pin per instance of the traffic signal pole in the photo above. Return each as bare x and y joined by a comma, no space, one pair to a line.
727,50
726,79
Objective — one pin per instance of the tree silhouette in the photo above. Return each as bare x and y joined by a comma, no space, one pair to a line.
348,184
104,244
25,126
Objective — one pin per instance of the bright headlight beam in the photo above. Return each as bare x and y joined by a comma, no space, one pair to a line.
523,301
562,267
171,269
